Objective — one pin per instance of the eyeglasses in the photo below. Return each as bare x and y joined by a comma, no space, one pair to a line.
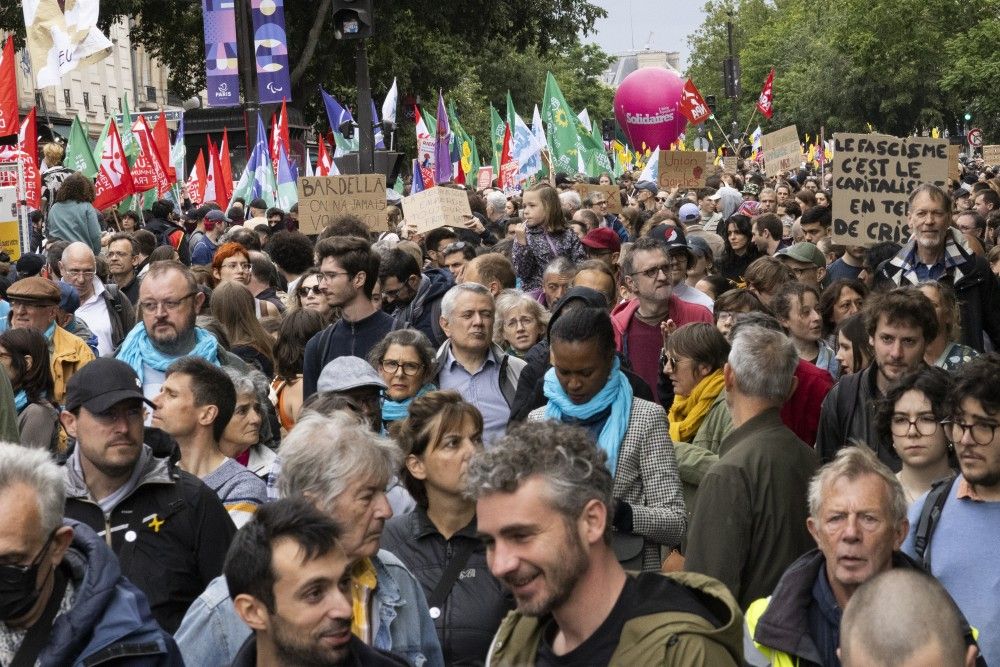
80,273
798,273
331,275
662,199
524,321
15,303
726,316
24,569
304,291
603,202
457,246
410,368
982,432
653,271
900,425
393,294
236,266
169,305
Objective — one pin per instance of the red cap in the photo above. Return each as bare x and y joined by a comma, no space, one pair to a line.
602,238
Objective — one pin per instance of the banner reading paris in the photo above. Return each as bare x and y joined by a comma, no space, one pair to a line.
222,80
270,49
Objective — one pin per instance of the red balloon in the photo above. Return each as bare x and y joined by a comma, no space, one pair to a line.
646,106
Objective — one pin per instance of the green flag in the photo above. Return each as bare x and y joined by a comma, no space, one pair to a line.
79,155
497,130
99,146
561,124
594,158
129,144
511,112
463,142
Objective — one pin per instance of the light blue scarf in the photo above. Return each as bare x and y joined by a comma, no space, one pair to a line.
617,393
50,331
137,349
20,400
393,411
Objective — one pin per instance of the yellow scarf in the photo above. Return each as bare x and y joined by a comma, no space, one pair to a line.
687,412
363,583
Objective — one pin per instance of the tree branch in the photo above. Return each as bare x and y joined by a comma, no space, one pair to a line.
312,41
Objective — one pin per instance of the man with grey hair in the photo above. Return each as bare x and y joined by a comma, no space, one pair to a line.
570,202
64,598
904,617
342,468
496,210
558,277
107,312
544,507
857,515
471,363
749,522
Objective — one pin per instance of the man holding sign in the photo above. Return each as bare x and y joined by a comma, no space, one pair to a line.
937,251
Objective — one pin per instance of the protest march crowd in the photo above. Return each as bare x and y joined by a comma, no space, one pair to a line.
697,432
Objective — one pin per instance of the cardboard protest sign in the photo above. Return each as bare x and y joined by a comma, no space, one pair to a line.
730,163
484,178
323,198
782,151
991,155
683,169
436,207
954,172
10,237
610,191
873,176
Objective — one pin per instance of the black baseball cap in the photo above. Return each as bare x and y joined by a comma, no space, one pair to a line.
103,384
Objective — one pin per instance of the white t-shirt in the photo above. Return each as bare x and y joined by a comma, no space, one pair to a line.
95,313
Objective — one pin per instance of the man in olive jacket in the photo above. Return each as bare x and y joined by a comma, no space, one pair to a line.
544,508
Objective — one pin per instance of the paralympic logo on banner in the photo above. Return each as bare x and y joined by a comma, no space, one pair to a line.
221,60
270,47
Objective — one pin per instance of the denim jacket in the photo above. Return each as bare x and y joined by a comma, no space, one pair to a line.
212,632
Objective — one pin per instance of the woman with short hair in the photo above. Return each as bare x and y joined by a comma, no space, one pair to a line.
405,361
519,323
73,217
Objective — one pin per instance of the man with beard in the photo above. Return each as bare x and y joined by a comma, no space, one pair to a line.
290,581
170,301
544,508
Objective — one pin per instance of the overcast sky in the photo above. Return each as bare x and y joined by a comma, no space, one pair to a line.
630,22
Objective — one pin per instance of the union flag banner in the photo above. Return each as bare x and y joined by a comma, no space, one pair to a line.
114,179
693,105
765,103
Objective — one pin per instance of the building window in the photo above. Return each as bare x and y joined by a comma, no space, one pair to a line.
104,103
66,98
86,101
151,93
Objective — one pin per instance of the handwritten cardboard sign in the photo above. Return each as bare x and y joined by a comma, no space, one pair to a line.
873,176
782,151
436,207
954,170
683,169
611,192
991,155
730,163
323,198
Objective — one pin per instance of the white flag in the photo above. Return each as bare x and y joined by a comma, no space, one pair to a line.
61,36
584,117
651,171
389,105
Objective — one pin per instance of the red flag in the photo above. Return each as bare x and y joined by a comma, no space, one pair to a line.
161,138
148,171
213,189
227,165
508,165
114,179
765,103
8,90
693,105
323,163
283,129
275,142
28,143
196,181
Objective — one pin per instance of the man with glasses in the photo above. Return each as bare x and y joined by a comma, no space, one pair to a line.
123,257
639,323
598,203
806,262
936,251
349,270
414,297
169,302
955,528
34,304
105,310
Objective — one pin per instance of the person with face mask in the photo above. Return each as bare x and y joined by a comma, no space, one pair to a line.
63,599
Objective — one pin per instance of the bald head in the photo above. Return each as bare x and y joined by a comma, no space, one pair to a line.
903,618
78,266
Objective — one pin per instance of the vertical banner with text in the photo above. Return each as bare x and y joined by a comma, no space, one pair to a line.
270,50
222,80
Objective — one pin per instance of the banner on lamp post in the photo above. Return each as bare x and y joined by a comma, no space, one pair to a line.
270,47
222,79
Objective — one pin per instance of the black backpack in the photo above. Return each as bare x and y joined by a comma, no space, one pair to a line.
930,513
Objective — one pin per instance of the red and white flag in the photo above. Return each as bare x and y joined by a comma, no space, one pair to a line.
692,104
765,103
508,165
148,171
28,143
161,138
195,185
324,165
227,165
114,179
8,90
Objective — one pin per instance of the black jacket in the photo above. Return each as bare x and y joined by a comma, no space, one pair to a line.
476,603
847,417
167,233
343,338
423,313
170,534
361,655
120,312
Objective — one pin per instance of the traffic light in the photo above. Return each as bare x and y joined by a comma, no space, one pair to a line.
968,116
352,19
710,101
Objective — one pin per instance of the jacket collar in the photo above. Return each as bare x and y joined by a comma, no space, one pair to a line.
155,471
421,526
769,418
957,260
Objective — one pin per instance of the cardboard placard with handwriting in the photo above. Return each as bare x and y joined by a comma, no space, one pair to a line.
609,191
323,198
782,151
873,176
682,169
991,155
730,163
436,207
954,171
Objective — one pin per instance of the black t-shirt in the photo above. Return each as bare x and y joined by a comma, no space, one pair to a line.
598,648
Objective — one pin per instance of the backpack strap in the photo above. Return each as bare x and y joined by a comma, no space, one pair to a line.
930,513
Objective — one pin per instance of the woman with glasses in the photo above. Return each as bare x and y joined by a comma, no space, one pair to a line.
286,390
910,417
405,361
232,264
520,322
739,251
309,295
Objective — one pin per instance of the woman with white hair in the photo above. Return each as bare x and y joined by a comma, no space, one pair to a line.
519,323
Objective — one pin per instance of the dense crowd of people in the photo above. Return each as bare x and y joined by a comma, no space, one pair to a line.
697,432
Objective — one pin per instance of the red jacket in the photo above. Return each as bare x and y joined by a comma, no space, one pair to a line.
800,413
681,312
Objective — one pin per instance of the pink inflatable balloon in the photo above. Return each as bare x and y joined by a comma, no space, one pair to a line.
646,106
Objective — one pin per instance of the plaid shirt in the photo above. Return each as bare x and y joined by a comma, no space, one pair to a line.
911,272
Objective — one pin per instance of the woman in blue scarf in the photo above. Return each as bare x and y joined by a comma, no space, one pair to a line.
405,361
25,357
586,387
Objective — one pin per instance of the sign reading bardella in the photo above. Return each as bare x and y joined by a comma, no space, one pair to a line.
873,176
323,198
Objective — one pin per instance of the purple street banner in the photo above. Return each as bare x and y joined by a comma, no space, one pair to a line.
221,61
270,48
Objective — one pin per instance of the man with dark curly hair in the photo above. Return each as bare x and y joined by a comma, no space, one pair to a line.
292,253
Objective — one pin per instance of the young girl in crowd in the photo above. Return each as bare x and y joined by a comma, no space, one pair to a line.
544,236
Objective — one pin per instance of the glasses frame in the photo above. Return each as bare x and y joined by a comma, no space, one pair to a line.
913,423
950,424
415,367
168,305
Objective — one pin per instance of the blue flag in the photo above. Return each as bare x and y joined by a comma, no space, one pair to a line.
418,179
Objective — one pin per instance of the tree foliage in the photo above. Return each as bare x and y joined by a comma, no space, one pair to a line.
898,66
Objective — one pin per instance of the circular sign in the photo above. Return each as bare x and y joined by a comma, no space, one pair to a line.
975,137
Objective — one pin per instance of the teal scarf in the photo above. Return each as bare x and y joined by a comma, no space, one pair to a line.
20,400
617,393
137,349
50,331
393,411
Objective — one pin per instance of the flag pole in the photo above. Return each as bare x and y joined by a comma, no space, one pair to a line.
724,135
752,116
